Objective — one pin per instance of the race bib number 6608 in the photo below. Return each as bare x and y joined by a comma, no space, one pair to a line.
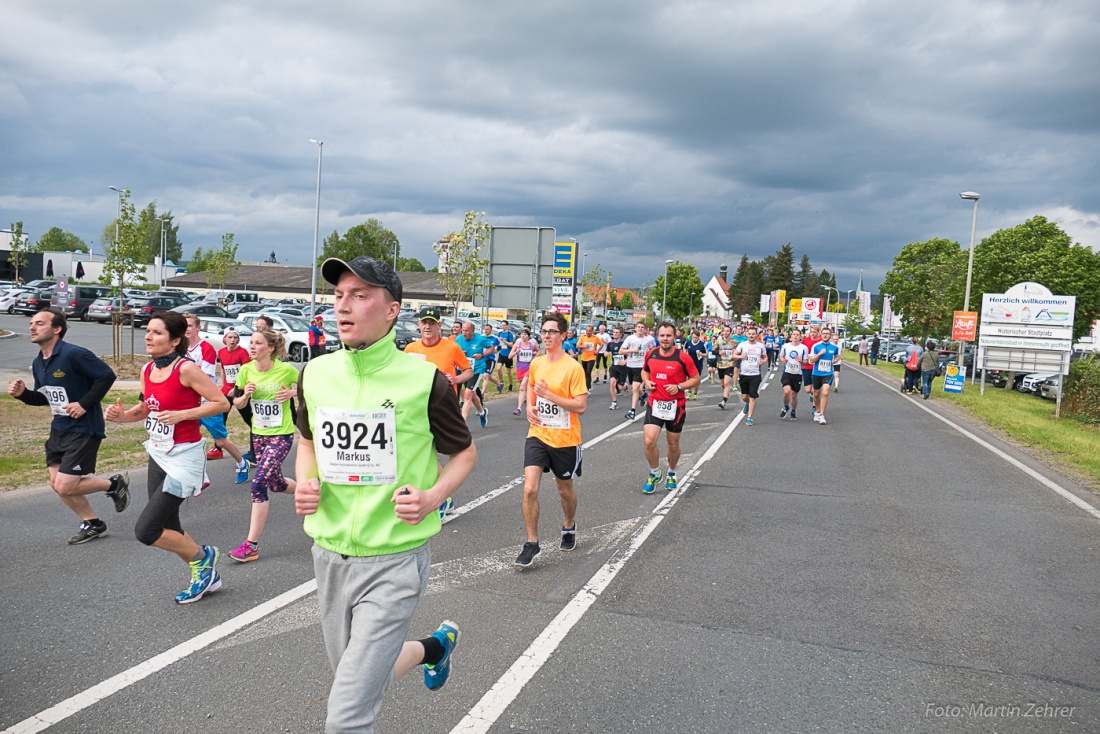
356,446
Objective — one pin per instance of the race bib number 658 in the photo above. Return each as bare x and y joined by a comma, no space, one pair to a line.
356,446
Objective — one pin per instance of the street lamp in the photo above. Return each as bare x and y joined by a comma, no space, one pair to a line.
828,293
316,230
664,297
163,251
971,196
691,305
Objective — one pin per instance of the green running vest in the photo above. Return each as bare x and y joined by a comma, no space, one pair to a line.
359,519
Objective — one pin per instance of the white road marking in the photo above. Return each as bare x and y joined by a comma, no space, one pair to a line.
114,684
1049,483
497,699
89,697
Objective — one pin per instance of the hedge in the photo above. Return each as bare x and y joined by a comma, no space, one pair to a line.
1081,395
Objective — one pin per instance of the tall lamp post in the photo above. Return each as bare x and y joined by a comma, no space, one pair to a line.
970,196
316,231
828,293
691,306
163,252
664,297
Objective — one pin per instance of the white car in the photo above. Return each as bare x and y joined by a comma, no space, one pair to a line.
296,332
1030,383
9,297
211,329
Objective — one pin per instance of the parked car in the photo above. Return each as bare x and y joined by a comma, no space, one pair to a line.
1048,388
404,335
135,292
212,329
296,332
76,300
204,308
40,284
1030,383
236,309
9,297
146,306
103,309
33,301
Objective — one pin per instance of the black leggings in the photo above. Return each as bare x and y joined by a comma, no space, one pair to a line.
161,513
588,365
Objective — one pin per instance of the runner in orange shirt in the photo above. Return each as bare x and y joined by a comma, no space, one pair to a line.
589,346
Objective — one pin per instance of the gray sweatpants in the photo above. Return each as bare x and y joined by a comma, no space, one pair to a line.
366,607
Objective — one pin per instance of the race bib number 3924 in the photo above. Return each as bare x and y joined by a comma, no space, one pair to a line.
356,446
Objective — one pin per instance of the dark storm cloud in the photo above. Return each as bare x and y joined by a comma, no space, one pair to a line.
700,130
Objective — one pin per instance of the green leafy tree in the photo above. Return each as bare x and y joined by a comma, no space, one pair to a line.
683,283
1039,251
926,283
125,258
463,273
17,254
410,265
370,238
614,300
222,264
149,225
626,303
200,261
593,286
58,240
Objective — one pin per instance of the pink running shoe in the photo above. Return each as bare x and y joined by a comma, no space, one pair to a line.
247,552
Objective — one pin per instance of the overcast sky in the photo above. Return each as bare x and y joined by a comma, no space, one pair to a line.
646,130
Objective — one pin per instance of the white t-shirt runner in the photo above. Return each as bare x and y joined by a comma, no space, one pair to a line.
794,354
642,344
752,354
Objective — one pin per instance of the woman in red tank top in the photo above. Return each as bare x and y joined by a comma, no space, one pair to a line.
171,405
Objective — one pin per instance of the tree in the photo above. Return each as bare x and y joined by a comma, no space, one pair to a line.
593,286
149,225
125,261
1039,251
684,286
410,265
780,275
626,303
17,255
613,300
926,284
742,290
222,264
370,238
58,240
806,284
463,273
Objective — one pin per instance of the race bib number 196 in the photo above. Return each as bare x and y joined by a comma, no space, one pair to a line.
356,446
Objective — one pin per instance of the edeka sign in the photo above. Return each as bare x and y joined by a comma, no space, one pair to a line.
953,379
964,327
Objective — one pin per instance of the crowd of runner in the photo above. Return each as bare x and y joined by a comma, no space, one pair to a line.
351,437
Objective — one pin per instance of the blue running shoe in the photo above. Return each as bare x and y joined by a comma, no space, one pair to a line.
435,676
651,482
483,416
745,408
250,458
242,474
748,421
670,481
447,506
204,577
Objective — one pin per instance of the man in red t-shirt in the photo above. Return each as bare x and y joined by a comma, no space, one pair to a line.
668,373
230,359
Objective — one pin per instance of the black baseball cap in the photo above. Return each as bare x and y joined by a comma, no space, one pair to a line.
430,312
367,269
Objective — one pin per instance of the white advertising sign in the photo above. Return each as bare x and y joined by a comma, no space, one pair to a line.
811,305
1028,303
1030,331
1025,343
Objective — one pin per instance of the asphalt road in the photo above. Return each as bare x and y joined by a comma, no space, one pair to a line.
882,573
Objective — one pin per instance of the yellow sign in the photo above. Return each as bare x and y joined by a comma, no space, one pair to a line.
796,305
565,254
782,305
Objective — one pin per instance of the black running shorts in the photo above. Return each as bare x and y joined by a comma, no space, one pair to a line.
73,453
564,462
673,426
749,385
792,381
820,380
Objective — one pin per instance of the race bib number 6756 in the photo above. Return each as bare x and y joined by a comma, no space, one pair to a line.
356,446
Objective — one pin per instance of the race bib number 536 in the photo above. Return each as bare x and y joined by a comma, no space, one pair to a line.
356,446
